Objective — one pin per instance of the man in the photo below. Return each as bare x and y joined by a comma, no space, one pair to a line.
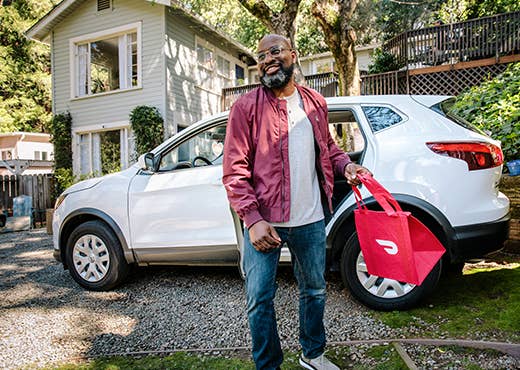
279,165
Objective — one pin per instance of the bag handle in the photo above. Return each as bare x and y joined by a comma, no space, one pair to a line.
358,198
381,195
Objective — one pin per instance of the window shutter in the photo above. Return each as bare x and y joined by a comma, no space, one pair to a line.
103,5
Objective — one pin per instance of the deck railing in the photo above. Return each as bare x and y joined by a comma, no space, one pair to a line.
481,38
326,83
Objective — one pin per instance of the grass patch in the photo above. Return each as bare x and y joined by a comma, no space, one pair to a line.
190,361
177,361
386,357
486,300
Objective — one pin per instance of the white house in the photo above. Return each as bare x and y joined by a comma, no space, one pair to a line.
109,56
25,153
324,62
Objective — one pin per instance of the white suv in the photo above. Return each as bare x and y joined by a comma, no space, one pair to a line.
171,207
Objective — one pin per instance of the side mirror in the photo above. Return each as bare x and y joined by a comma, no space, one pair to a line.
147,162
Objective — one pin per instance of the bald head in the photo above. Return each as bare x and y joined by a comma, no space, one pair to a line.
274,39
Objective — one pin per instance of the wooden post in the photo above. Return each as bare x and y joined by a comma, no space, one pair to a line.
48,220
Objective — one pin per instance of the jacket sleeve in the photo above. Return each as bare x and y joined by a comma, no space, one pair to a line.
238,166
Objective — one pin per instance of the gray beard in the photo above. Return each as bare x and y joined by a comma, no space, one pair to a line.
279,79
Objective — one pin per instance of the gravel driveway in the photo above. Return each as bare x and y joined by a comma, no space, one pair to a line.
46,318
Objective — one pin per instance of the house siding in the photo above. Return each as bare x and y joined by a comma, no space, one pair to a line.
115,107
187,101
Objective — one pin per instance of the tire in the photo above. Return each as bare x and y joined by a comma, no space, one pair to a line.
380,293
452,269
101,268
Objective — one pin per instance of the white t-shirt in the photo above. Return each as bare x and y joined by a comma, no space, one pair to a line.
305,191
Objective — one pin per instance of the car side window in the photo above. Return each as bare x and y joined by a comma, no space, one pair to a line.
381,117
203,149
345,131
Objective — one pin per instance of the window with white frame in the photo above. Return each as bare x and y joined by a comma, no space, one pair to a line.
206,66
223,66
102,152
205,57
106,62
224,71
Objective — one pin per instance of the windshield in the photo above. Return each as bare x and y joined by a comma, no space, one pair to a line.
444,108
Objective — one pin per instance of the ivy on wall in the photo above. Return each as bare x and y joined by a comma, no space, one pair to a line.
61,137
148,127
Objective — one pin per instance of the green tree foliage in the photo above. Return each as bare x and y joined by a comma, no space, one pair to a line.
452,11
482,8
25,99
147,125
494,106
231,18
395,17
228,16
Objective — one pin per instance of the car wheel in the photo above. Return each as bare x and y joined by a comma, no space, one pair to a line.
95,258
377,292
452,269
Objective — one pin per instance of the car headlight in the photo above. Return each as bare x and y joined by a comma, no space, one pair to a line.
60,200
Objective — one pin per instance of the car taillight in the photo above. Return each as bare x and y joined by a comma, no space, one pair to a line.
477,155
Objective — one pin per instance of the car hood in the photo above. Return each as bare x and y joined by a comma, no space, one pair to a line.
82,185
90,183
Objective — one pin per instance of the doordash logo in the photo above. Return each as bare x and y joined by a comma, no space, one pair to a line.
391,247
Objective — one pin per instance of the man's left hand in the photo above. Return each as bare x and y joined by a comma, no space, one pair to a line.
351,171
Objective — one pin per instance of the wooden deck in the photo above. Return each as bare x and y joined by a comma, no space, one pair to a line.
482,38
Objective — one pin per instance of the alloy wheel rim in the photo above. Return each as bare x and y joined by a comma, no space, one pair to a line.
91,258
379,286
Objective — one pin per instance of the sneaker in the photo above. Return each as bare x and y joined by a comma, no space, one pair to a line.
318,363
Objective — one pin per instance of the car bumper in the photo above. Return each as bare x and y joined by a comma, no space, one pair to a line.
476,241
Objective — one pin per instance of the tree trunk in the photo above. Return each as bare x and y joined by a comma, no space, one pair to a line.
334,18
282,23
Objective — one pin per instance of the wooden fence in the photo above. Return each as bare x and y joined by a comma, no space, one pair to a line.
326,83
439,80
487,37
39,187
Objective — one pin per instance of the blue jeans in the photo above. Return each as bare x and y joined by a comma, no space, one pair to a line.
307,246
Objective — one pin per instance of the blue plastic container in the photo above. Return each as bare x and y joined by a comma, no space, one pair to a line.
514,167
22,206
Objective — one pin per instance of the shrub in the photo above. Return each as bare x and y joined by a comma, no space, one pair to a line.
383,61
61,138
148,127
64,179
494,106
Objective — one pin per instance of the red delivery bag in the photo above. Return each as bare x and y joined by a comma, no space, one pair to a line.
395,244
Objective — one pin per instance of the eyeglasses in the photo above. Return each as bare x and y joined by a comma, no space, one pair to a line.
273,51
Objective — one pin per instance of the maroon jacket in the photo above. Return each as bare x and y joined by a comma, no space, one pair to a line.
256,154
